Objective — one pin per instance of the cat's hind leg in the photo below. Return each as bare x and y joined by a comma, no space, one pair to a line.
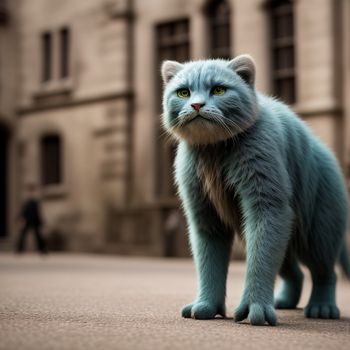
322,302
292,282
324,241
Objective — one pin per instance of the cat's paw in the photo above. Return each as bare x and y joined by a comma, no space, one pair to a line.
289,294
202,311
322,310
257,313
287,298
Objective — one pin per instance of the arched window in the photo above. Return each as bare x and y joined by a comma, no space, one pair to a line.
283,49
51,159
219,21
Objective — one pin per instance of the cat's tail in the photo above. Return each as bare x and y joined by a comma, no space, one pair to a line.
344,261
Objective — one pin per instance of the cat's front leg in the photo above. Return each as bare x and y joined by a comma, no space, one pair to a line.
267,229
211,251
210,238
211,243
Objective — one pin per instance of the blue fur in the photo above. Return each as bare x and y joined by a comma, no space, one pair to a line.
292,202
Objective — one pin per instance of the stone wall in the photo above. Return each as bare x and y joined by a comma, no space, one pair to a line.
107,109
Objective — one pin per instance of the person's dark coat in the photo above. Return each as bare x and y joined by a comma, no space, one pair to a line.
31,213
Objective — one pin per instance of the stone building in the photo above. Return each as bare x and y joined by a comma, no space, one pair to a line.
80,104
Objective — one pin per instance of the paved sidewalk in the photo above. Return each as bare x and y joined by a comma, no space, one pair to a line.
105,302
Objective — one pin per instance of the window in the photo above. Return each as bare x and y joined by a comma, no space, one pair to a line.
3,12
64,52
172,43
46,47
51,160
52,68
218,13
283,52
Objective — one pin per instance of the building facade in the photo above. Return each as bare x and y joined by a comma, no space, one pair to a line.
80,104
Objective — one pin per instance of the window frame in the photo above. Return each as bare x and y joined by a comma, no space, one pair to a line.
165,148
214,22
64,52
46,56
51,178
283,73
60,52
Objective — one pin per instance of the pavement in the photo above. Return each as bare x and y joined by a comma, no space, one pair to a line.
107,302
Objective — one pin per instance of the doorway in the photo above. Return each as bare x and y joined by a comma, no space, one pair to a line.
4,138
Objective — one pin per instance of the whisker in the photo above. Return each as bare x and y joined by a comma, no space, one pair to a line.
166,136
219,119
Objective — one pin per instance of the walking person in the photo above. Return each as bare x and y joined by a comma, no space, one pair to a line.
31,221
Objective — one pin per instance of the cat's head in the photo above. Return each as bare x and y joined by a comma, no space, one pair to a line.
209,101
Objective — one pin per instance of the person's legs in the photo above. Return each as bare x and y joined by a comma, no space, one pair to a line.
21,239
40,241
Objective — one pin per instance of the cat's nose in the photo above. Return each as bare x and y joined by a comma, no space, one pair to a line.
197,106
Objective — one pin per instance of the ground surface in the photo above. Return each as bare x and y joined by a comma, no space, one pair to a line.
98,302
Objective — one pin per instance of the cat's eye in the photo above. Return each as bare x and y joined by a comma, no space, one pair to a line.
183,93
218,90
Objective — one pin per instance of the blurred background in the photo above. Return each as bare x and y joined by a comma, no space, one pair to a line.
80,105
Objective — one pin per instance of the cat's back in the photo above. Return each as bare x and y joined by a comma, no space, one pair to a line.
294,137
280,118
310,164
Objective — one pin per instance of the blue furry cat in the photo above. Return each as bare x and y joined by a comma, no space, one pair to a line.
247,164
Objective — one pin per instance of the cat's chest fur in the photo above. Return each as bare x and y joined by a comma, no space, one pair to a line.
224,200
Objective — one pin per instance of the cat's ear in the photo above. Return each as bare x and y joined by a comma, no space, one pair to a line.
244,66
169,69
